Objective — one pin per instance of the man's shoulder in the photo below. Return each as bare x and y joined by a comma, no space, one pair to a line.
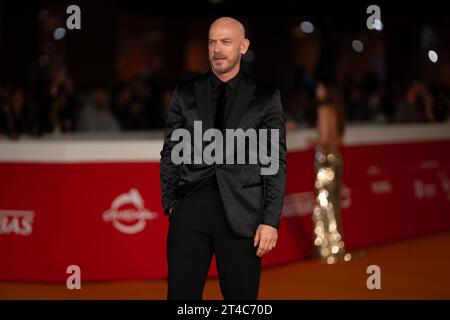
262,89
265,90
187,84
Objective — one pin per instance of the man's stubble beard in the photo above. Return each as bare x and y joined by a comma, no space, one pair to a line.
227,68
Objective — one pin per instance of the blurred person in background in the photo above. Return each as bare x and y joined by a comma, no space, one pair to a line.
418,106
330,116
441,106
328,166
96,115
166,98
420,102
14,116
137,106
300,109
122,97
357,102
376,99
64,104
2,111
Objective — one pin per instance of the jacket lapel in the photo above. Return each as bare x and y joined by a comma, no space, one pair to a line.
203,98
240,105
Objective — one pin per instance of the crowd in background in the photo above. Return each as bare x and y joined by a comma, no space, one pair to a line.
59,107
142,104
373,101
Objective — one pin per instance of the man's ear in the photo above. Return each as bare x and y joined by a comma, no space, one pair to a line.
244,46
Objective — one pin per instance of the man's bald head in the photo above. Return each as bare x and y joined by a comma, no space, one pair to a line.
227,43
231,24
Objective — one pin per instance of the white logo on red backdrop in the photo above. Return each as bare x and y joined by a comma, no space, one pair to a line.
19,222
125,219
382,185
424,190
445,183
302,203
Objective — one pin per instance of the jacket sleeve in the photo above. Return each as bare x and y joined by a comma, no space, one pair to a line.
169,172
275,184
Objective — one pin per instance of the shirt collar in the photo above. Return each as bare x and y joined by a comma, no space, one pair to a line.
232,83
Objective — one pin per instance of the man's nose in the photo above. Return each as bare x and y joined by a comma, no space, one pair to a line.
218,48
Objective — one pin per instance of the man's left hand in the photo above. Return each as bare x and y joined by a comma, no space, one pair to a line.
267,237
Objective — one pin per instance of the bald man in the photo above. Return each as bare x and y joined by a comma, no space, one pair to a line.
224,209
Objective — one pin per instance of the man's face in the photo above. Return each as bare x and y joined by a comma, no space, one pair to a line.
224,49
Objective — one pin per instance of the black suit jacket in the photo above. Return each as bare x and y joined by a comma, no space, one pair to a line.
249,198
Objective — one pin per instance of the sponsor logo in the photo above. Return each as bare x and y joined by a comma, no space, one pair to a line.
128,214
19,222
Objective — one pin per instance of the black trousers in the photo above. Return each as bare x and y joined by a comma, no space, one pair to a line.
197,230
